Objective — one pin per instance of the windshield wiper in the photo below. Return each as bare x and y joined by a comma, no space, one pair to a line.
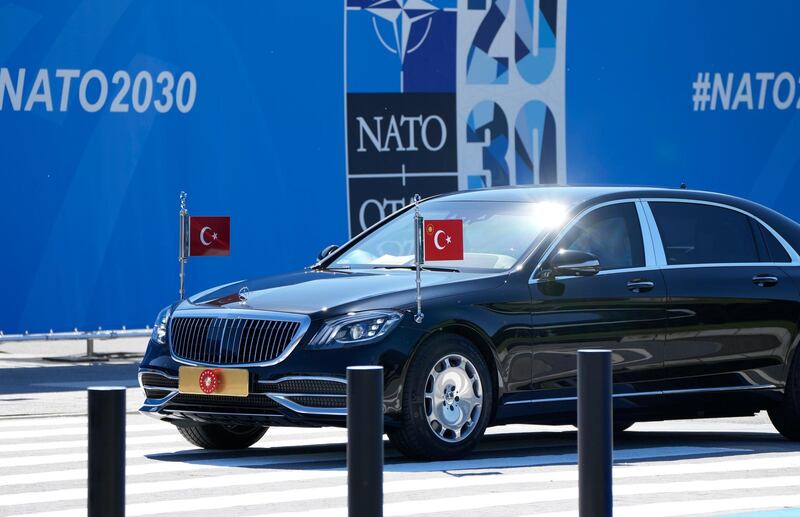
317,267
424,268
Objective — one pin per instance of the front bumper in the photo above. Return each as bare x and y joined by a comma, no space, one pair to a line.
296,400
307,388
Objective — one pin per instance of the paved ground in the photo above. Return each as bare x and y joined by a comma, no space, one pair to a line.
708,467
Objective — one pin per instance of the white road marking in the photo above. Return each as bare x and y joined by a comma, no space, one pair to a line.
435,480
57,431
510,476
695,507
271,439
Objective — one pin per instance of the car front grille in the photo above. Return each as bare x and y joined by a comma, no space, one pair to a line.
226,341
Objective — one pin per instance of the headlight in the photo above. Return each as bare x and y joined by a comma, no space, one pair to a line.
356,328
160,326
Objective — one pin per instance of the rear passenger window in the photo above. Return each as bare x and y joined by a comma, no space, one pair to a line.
694,233
777,253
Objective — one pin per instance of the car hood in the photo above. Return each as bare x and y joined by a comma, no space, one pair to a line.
327,293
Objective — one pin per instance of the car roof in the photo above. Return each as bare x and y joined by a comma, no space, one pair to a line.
578,198
570,195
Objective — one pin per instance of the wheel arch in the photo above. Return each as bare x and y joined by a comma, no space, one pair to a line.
475,336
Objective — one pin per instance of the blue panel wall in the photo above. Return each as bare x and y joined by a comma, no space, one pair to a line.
89,199
630,113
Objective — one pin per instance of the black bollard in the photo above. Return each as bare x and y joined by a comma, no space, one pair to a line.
595,433
365,441
106,452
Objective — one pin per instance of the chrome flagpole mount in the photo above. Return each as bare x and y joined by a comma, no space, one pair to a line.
419,255
183,251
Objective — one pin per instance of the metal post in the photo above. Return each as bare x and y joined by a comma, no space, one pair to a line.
365,441
183,251
106,452
419,255
90,347
595,434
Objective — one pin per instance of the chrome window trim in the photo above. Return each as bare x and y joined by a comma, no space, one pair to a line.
234,314
687,391
795,258
646,240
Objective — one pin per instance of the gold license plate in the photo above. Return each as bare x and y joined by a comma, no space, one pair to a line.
213,381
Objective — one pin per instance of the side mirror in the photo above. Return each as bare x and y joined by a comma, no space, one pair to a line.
573,263
327,250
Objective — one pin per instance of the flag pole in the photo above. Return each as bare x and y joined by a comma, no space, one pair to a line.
183,252
419,255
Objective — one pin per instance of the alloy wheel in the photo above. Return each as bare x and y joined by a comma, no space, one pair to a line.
453,398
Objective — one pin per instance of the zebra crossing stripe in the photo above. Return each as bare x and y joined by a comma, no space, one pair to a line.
10,423
426,483
695,507
56,431
491,500
159,438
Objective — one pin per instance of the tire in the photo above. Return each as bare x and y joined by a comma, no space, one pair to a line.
216,436
465,405
786,416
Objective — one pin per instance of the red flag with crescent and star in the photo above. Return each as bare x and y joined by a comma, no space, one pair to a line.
209,236
444,239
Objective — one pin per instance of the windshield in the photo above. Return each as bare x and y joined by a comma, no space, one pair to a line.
496,235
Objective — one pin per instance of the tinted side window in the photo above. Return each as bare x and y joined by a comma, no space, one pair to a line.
776,251
612,233
703,234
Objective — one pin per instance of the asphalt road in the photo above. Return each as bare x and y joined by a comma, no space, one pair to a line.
703,467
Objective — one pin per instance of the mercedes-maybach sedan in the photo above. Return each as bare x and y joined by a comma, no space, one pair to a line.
696,294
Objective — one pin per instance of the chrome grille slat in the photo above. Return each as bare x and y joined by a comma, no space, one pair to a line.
237,339
243,340
193,333
278,335
180,327
197,335
184,335
231,340
270,339
253,339
259,340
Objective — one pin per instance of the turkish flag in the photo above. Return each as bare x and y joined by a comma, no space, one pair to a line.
444,239
209,235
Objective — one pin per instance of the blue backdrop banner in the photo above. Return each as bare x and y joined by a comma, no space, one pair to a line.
306,122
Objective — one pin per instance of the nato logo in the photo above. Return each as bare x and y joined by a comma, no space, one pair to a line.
401,46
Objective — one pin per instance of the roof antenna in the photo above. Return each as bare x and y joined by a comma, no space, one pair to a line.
683,185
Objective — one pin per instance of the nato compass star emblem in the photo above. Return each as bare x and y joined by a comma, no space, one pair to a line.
401,16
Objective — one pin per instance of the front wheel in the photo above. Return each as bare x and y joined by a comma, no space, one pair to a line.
217,436
447,400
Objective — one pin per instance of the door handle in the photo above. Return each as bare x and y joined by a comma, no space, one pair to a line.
765,280
640,285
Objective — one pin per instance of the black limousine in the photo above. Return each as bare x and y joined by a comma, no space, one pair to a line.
697,295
